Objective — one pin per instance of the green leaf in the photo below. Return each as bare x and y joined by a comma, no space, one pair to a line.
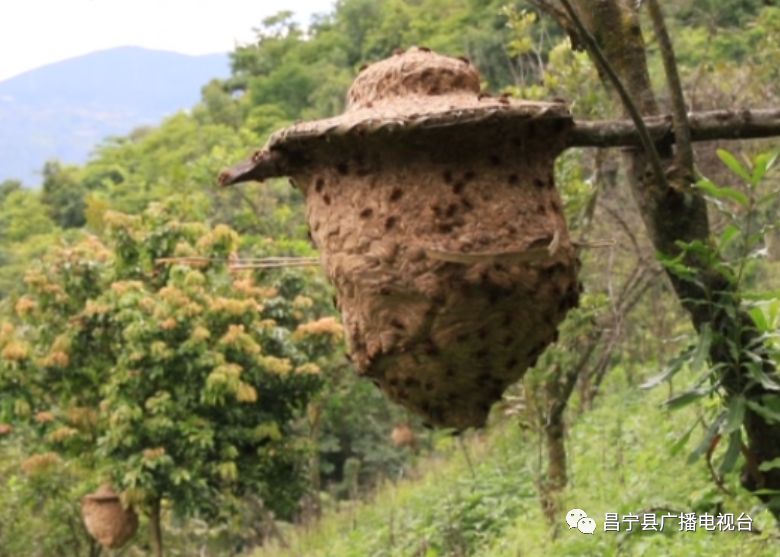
761,296
706,441
676,266
729,194
730,232
678,445
670,370
766,492
736,414
769,465
734,165
765,411
762,164
732,452
755,369
685,398
702,352
759,319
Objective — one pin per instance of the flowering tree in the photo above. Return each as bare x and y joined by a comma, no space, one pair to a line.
179,382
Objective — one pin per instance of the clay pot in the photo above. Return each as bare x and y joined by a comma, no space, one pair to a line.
437,219
106,520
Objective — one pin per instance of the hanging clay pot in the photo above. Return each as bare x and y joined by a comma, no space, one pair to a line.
438,221
106,520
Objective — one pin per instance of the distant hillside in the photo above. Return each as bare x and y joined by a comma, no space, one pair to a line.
64,109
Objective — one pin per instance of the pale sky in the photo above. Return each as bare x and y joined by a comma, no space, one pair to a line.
34,33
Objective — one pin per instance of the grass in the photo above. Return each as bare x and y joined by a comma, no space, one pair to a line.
620,461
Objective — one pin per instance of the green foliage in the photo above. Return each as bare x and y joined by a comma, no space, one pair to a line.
173,381
750,214
356,422
22,216
26,231
718,13
51,487
63,194
623,461
7,187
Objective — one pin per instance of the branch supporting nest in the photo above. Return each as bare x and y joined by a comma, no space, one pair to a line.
704,126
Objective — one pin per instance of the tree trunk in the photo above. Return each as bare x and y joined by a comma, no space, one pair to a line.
676,212
557,395
156,528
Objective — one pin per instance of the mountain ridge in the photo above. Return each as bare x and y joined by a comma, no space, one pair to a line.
64,109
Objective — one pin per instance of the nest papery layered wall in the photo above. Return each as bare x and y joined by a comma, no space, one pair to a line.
432,242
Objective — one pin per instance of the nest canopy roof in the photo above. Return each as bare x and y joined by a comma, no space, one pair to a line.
413,91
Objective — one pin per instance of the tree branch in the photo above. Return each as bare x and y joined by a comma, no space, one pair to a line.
704,126
682,130
628,103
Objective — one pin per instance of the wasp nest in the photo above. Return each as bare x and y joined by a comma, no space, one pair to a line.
436,214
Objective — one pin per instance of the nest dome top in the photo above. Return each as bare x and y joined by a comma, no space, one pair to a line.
414,72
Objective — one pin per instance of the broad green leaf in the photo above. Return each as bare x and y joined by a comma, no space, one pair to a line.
767,410
759,319
732,452
734,165
702,351
766,492
769,465
755,369
735,415
682,441
686,398
761,296
670,370
762,164
723,193
676,266
773,311
730,232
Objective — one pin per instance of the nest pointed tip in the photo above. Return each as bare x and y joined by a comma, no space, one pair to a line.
260,166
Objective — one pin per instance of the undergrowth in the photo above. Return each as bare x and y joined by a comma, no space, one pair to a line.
625,456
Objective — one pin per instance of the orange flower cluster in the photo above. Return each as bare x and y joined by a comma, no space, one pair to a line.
15,351
324,326
25,306
154,454
40,463
234,307
82,417
44,417
122,287
57,359
62,434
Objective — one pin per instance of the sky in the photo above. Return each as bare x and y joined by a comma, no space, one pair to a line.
34,33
